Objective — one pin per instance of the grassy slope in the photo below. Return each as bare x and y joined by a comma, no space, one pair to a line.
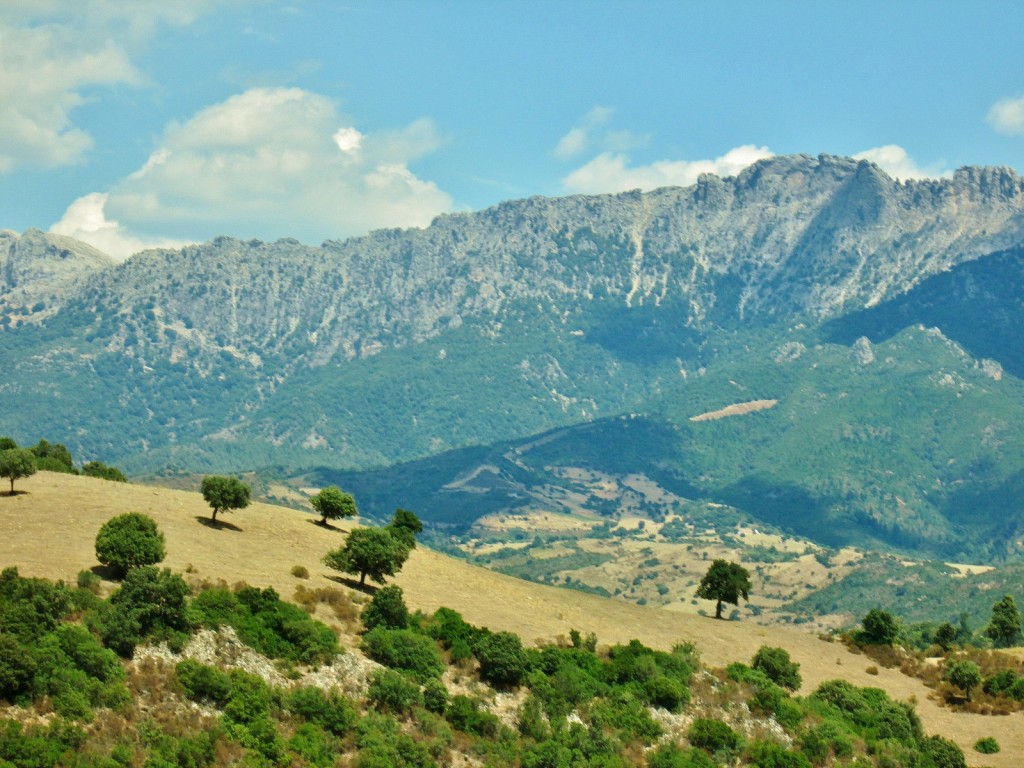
49,531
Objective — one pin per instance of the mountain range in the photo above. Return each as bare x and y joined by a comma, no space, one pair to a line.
810,344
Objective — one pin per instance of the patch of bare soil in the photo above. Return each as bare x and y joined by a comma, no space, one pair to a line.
736,409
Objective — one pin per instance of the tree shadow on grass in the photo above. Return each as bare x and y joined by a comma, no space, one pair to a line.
14,493
366,589
107,572
327,526
218,525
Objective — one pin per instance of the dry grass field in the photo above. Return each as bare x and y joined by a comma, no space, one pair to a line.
48,530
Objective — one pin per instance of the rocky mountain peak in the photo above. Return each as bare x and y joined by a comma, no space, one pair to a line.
39,270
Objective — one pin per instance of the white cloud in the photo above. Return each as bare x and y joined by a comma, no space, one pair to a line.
611,172
1007,116
270,163
86,220
579,138
52,51
895,161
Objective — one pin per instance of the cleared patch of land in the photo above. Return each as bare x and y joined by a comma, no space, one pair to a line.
736,409
49,530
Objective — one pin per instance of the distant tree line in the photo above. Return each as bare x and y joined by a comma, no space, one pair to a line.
17,462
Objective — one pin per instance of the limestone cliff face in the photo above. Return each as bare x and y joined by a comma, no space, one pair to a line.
38,271
791,239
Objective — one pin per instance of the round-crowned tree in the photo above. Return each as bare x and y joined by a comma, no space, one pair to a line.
224,494
129,541
333,503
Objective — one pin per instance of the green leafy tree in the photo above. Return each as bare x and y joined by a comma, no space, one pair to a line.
373,552
224,493
333,504
53,457
945,636
406,526
964,674
128,541
7,443
16,463
725,582
880,627
1004,627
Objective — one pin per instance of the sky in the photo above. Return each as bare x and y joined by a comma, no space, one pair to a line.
152,123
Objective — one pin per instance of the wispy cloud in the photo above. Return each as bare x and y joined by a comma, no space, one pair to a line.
1007,116
267,163
52,52
894,160
612,172
579,138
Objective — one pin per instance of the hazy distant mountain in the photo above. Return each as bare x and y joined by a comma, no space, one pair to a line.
490,327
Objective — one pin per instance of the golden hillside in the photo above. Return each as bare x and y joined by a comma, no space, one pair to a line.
49,528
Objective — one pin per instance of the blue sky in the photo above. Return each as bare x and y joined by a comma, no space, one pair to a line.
133,124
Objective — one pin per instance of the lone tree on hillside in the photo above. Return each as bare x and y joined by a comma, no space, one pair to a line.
333,504
129,541
16,463
964,675
224,494
725,582
373,552
1004,627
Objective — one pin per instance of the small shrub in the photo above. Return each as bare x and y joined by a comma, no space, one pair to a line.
986,745
391,692
713,736
435,696
90,581
300,572
872,670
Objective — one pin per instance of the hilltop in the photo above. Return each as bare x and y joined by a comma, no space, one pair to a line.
48,531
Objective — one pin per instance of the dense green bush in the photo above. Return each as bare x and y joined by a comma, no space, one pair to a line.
942,752
102,471
203,683
435,696
503,663
673,756
466,715
768,754
386,609
405,650
150,603
29,607
129,541
391,692
713,736
273,627
332,711
777,665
